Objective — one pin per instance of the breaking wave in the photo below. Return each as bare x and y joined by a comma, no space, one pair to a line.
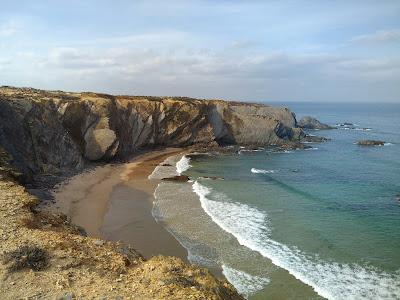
183,164
244,283
329,279
261,171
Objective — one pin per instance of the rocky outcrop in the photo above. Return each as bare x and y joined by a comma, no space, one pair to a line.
51,131
312,123
370,143
314,139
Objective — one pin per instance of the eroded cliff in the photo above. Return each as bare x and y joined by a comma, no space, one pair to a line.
50,132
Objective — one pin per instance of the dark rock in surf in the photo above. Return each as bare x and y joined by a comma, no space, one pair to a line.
212,177
345,124
292,146
314,139
370,143
178,178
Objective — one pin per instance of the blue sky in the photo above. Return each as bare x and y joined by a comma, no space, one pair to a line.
343,51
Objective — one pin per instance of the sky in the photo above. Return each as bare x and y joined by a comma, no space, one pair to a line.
321,50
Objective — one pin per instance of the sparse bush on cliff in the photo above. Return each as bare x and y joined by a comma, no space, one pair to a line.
26,257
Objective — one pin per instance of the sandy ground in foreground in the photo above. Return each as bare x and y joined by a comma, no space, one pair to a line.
114,202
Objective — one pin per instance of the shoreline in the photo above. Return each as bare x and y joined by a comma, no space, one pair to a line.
114,203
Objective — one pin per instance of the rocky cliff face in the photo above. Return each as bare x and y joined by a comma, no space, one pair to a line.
50,132
43,132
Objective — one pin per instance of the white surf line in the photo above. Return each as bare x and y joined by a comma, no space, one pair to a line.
331,280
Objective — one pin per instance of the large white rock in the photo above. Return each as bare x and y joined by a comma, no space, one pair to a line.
98,141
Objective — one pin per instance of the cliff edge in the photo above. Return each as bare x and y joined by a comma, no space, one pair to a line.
51,131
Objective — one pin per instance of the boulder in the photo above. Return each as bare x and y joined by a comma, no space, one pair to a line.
98,141
312,123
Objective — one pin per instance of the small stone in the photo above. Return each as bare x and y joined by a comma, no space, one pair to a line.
161,283
67,296
99,242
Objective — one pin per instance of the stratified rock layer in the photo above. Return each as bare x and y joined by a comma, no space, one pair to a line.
50,132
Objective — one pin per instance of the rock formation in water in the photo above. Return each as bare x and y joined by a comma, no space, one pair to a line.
177,178
50,132
370,143
312,123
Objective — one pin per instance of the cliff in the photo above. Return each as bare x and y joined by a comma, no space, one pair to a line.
50,133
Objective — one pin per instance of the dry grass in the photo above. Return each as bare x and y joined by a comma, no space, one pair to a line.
26,257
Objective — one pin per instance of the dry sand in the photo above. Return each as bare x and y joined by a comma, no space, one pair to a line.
114,202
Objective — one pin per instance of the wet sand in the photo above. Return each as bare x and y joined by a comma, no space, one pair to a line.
114,202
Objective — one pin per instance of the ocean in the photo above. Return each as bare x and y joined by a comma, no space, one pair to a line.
323,222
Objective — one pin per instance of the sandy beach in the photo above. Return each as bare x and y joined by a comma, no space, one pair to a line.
114,202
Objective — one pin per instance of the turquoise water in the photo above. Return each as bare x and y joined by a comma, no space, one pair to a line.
302,224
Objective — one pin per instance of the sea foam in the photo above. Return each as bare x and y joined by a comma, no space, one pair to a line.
244,283
170,167
165,169
243,149
329,279
261,171
183,164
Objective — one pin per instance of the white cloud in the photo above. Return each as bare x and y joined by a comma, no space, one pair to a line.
191,66
244,44
148,39
382,36
8,29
